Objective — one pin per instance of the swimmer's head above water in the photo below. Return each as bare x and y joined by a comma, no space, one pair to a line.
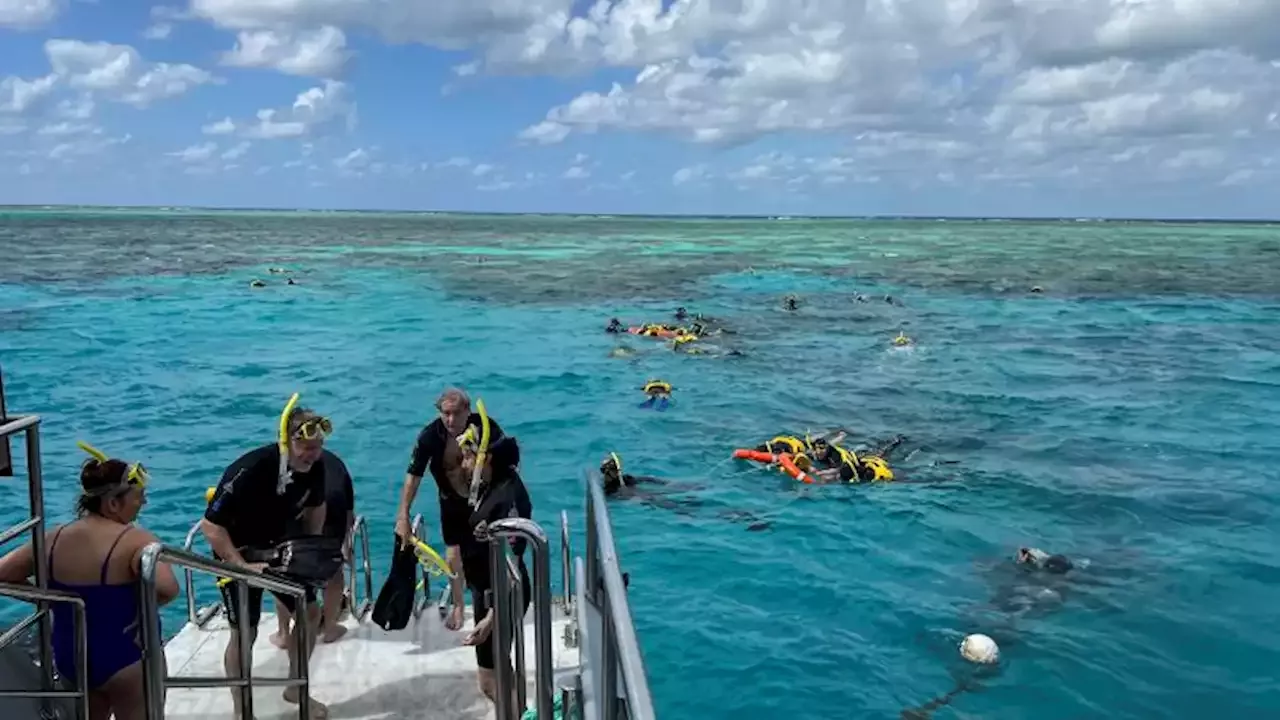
681,313
611,473
1039,559
615,326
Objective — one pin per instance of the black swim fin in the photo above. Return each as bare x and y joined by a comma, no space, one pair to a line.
394,606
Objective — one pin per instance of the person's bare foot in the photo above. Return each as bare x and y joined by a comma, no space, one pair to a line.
319,711
279,639
455,619
332,633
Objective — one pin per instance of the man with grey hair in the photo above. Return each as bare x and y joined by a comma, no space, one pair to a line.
437,449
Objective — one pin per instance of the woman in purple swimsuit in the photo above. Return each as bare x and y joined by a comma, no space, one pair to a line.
97,557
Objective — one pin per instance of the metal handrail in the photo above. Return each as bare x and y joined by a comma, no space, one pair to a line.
35,522
544,673
157,679
359,529
80,623
566,578
196,617
421,604
606,588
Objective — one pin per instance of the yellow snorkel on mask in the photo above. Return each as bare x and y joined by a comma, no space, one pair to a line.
313,428
480,446
135,476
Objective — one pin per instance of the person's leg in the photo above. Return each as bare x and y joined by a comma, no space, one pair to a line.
292,694
126,695
236,615
280,638
453,554
330,627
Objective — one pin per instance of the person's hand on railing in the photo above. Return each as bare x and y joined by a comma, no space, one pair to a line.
482,531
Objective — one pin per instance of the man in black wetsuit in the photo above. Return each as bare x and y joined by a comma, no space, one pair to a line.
339,518
437,449
258,501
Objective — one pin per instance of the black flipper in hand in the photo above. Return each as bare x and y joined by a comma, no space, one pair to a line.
394,606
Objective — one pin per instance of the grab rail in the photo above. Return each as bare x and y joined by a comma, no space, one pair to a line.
501,578
29,425
601,585
30,594
196,617
421,604
157,680
566,589
359,530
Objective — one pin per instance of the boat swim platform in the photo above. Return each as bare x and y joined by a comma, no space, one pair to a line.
420,672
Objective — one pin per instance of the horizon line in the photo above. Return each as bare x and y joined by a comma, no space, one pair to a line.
670,216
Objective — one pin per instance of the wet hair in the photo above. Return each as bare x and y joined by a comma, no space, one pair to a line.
456,394
504,452
99,481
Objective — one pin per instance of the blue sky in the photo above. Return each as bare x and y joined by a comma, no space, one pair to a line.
1072,108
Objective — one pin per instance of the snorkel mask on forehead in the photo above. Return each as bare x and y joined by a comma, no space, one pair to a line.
135,475
310,429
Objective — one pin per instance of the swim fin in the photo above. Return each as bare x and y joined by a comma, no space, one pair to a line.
394,606
662,404
648,402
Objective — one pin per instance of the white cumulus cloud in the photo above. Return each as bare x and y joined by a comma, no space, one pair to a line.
28,14
320,52
119,73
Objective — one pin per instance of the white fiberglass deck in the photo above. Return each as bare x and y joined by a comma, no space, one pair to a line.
423,671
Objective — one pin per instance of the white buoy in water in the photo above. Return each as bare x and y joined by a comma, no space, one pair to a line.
980,649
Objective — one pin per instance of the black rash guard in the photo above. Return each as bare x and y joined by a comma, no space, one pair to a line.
340,495
437,451
247,505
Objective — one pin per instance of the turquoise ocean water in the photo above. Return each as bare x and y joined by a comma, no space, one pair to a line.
1125,416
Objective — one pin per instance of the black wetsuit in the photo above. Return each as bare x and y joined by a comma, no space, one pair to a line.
257,517
506,497
339,497
437,449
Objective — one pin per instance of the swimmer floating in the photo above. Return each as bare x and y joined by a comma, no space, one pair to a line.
659,395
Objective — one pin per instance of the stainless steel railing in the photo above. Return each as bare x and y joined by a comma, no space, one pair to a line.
359,608
608,647
422,603
566,562
30,594
157,680
203,615
507,619
41,595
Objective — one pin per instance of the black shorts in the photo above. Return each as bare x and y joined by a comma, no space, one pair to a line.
455,520
484,651
234,612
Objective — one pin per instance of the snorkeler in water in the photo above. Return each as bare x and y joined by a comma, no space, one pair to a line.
615,326
790,303
658,395
619,485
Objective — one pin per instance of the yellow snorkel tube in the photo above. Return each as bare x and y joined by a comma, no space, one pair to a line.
93,452
283,441
482,452
430,560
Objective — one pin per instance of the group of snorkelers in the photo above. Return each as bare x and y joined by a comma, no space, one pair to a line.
682,335
825,460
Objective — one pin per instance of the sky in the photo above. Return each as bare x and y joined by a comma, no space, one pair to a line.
1065,108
